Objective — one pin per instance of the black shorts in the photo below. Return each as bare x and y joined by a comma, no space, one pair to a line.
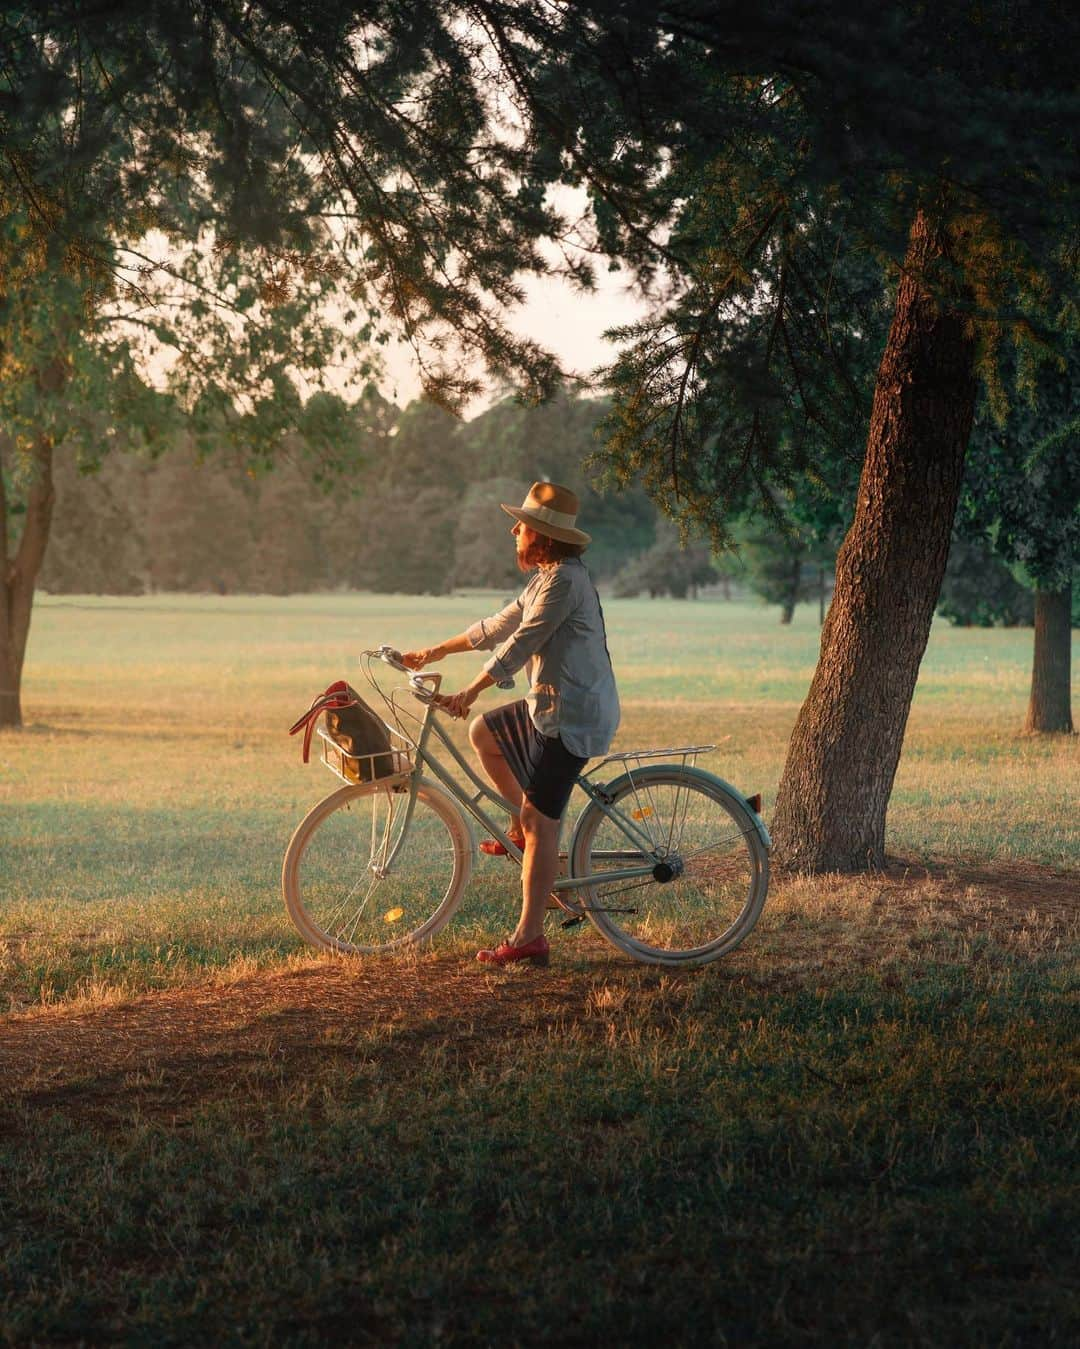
542,764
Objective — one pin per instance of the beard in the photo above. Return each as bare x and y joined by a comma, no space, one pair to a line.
530,557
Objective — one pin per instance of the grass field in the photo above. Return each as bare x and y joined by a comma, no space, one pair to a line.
859,1128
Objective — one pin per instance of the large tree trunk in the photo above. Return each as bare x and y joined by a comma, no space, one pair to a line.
830,810
20,574
1050,707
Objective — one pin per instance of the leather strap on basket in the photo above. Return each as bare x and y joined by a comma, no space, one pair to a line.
334,699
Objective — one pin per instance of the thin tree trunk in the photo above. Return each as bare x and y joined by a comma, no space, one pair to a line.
830,809
1050,706
787,606
20,575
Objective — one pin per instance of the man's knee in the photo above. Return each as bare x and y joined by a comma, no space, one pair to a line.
479,735
536,822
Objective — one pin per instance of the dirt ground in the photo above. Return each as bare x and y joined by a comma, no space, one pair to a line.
165,1054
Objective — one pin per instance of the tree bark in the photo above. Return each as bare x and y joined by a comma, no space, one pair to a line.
20,575
1050,705
835,788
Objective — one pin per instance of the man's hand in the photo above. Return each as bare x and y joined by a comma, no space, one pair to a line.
416,660
457,704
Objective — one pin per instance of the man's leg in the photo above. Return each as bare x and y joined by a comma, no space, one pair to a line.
538,871
496,767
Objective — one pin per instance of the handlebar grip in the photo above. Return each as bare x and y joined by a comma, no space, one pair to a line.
423,686
392,657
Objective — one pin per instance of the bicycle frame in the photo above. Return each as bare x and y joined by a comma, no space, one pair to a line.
664,810
429,726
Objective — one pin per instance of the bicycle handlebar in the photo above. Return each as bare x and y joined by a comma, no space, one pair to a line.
392,657
423,686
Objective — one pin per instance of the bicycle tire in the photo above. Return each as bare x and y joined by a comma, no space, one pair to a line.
330,876
706,833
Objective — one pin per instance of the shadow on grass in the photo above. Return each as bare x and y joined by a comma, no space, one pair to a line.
695,1160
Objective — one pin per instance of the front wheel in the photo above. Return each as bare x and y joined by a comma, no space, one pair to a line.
710,865
363,873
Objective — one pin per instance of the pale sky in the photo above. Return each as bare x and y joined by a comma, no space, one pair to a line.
566,322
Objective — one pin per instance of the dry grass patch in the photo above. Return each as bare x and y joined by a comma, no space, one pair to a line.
914,909
170,1052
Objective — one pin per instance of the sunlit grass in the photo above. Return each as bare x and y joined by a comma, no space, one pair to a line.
147,804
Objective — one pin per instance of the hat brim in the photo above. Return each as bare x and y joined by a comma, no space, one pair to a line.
577,536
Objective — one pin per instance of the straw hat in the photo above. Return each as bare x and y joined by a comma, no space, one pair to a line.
551,510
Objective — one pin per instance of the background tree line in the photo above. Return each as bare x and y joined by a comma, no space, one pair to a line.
413,513
415,510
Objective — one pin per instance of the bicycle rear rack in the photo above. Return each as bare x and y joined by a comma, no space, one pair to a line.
683,753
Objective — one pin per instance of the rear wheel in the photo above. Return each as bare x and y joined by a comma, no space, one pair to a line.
364,874
709,866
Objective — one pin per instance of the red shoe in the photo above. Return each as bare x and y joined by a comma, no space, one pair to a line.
538,951
493,848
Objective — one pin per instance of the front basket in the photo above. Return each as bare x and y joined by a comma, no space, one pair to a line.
354,768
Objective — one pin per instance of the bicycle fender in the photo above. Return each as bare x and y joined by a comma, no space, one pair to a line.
703,775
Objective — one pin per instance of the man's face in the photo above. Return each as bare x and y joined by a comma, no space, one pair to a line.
526,540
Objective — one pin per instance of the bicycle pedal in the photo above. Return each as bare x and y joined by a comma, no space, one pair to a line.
573,920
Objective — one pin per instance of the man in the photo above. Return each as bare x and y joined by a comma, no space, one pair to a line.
534,749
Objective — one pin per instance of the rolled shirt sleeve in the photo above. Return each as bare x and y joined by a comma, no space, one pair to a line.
553,602
489,632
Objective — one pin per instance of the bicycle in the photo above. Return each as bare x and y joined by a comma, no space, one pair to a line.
669,862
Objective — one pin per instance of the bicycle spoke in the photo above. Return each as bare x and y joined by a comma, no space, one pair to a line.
332,918
373,872
359,914
643,813
700,907
676,842
726,842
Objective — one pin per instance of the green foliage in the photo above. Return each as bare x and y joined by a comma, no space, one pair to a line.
783,556
358,155
351,151
362,151
669,567
980,589
779,239
60,380
420,452
1022,484
406,542
776,567
482,556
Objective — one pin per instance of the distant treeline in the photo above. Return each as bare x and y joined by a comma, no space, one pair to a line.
419,514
